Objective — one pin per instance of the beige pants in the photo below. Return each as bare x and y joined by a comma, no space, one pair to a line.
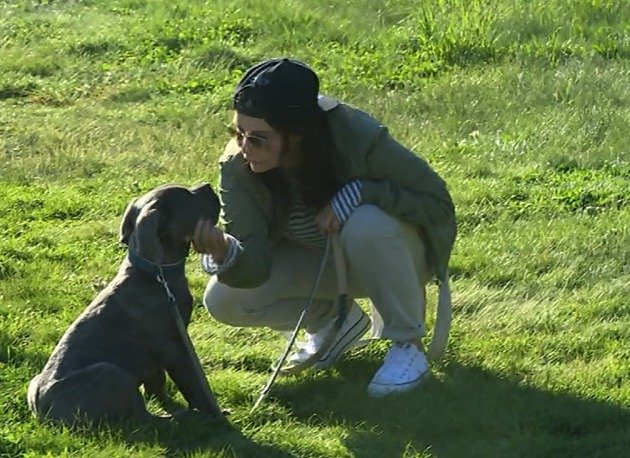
386,263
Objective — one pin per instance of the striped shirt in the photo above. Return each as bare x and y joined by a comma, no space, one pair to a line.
301,226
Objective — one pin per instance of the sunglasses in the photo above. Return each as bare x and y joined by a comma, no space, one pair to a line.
240,135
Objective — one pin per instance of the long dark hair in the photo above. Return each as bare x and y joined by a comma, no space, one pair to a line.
284,92
311,164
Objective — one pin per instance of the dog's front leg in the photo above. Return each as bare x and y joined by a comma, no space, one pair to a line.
155,386
196,392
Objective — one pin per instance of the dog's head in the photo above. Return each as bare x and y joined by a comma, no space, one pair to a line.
160,224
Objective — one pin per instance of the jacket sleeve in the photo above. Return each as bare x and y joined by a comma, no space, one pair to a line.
244,219
404,185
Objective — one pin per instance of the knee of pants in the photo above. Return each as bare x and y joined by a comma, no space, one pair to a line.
217,304
366,224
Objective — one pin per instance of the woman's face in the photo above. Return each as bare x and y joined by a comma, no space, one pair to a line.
260,144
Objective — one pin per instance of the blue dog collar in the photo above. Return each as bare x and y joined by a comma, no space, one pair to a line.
168,270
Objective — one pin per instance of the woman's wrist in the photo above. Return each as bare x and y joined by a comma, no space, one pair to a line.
224,258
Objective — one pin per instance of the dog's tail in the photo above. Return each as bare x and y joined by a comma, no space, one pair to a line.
442,325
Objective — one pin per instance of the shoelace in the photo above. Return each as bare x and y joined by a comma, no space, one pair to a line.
310,344
396,354
313,341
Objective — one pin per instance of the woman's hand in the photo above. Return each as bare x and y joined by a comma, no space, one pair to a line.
210,240
327,221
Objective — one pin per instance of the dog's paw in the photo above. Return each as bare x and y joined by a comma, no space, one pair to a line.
195,416
182,414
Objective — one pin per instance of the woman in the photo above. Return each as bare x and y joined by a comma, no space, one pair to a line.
299,167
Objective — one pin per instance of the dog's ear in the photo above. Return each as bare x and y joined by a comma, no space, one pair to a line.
128,222
146,235
210,203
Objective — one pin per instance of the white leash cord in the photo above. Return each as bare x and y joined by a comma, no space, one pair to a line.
280,363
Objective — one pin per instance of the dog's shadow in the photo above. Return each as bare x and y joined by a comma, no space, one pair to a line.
194,432
467,411
189,433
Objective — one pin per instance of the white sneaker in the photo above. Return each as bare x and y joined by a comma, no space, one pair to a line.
404,368
356,325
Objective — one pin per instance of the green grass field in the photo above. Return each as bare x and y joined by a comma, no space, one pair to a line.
522,106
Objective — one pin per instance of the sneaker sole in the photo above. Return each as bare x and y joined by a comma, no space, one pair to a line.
378,390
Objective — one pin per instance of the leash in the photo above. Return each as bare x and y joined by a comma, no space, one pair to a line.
333,240
160,271
201,377
342,311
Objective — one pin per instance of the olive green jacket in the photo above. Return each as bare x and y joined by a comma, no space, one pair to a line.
393,179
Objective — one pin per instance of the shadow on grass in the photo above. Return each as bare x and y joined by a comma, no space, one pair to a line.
195,432
192,433
471,412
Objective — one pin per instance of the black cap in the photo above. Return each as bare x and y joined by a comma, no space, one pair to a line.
280,91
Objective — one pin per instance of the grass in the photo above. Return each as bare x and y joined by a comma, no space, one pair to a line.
523,107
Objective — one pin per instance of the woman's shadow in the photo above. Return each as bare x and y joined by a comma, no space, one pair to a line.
467,412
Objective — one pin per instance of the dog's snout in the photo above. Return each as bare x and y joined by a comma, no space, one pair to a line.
216,207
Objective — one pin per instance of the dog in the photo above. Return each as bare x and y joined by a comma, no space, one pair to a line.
126,337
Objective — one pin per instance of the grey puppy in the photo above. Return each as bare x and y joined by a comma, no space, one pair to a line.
126,337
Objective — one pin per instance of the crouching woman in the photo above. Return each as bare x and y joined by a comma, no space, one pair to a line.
300,166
